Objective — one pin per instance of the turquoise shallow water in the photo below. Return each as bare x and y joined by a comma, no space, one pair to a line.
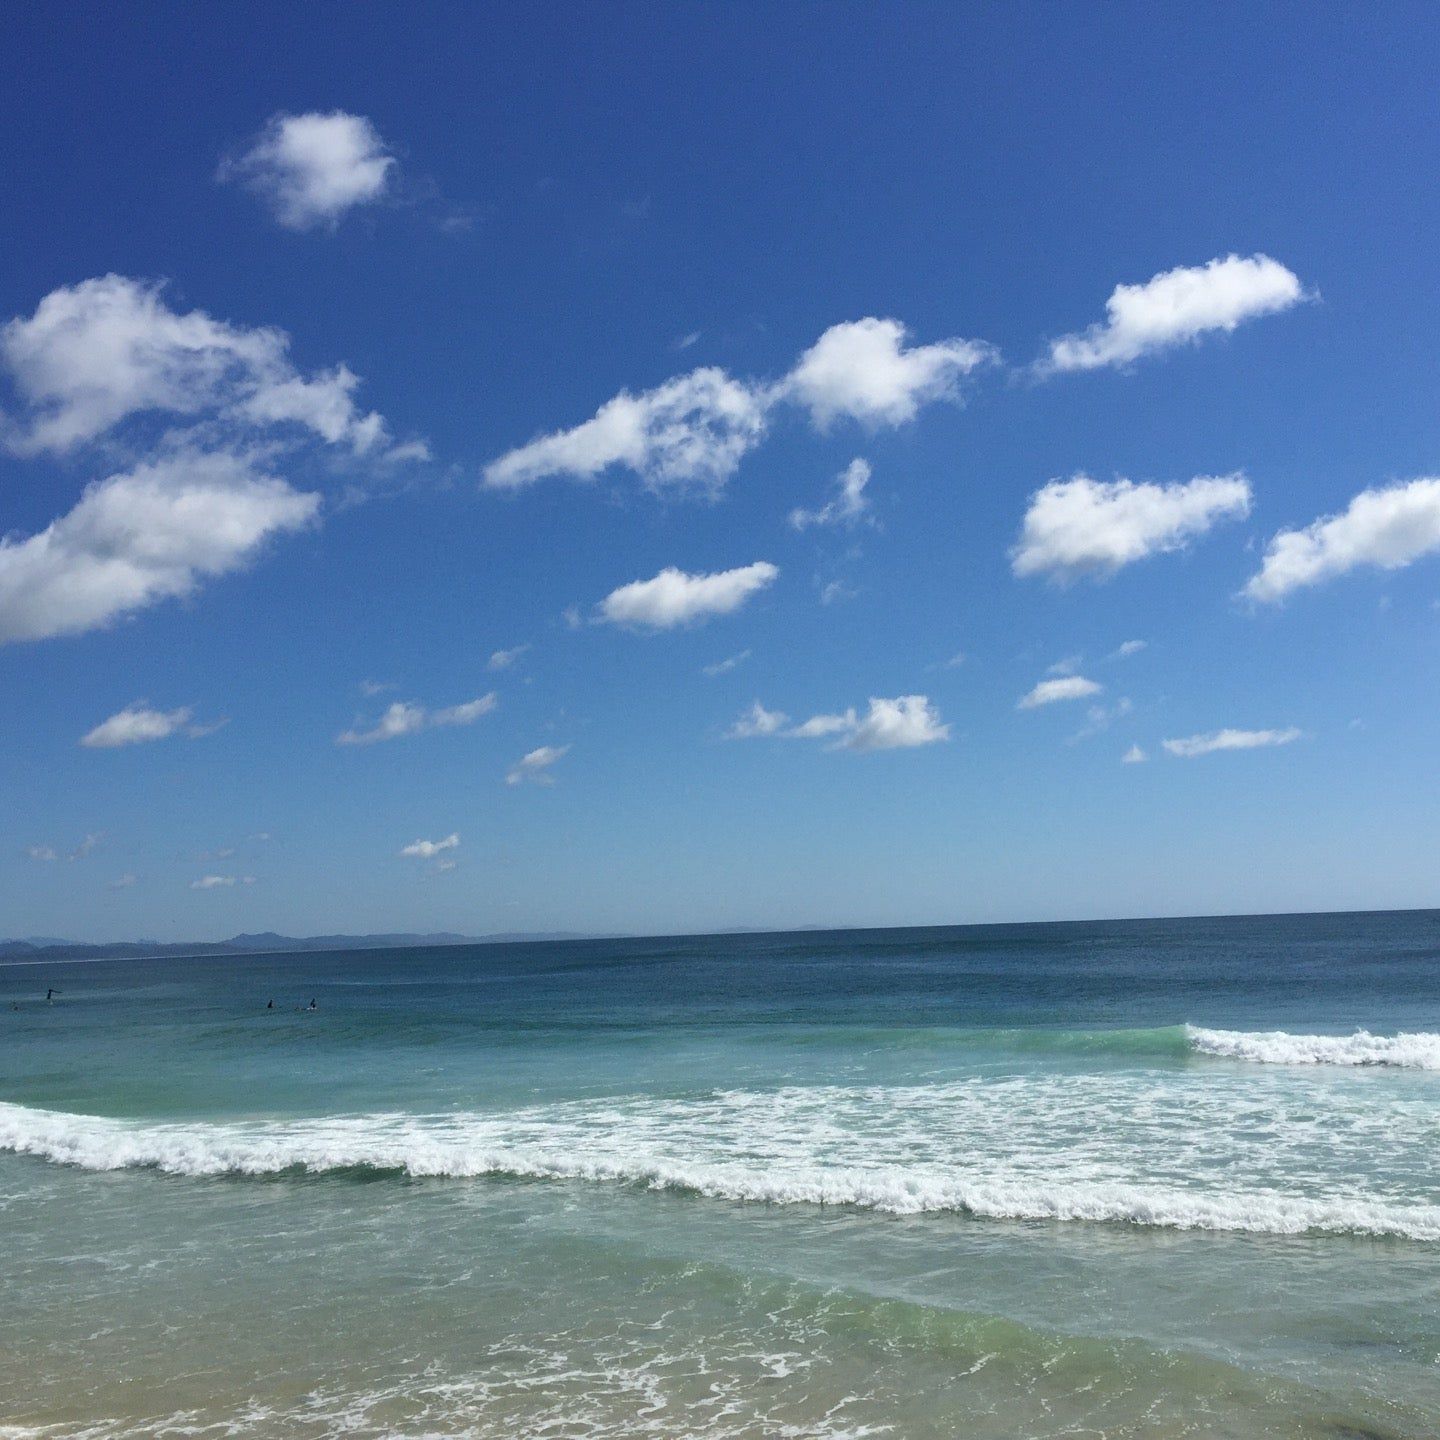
1141,1179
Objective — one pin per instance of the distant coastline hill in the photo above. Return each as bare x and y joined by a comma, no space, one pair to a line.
46,947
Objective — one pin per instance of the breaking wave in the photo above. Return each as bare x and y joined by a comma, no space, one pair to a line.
475,1146
1418,1051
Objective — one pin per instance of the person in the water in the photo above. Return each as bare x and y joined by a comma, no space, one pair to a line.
50,995
271,1005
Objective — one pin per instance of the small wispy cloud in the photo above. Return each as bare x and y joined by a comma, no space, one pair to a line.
1192,746
902,723
48,853
1134,756
504,659
123,882
1053,692
429,849
221,882
405,717
725,666
850,505
1100,718
139,724
535,766
757,721
1127,649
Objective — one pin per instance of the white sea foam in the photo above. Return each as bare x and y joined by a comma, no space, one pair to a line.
740,1147
1418,1051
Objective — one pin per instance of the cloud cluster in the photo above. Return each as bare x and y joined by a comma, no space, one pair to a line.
138,724
1081,526
693,431
1175,307
405,717
312,169
849,507
1384,529
903,723
104,362
673,597
220,882
535,765
1192,746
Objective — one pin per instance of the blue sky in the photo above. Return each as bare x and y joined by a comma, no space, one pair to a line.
1128,315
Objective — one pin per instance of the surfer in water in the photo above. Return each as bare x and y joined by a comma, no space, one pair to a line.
50,995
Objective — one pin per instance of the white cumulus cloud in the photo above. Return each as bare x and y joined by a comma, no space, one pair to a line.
96,353
405,717
898,724
1177,306
429,849
138,723
850,505
689,433
1193,745
1082,526
863,370
674,597
1134,756
1383,529
1051,692
535,765
150,534
312,169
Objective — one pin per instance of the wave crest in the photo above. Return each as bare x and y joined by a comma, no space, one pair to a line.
466,1146
1417,1051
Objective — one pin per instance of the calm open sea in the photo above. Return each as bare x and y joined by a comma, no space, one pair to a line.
1151,1179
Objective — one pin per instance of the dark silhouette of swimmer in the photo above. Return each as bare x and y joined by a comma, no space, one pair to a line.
50,995
312,1006
271,1005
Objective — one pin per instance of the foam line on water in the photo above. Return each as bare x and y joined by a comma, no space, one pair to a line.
462,1146
1417,1051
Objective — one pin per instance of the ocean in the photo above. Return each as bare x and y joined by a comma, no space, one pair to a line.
1134,1179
